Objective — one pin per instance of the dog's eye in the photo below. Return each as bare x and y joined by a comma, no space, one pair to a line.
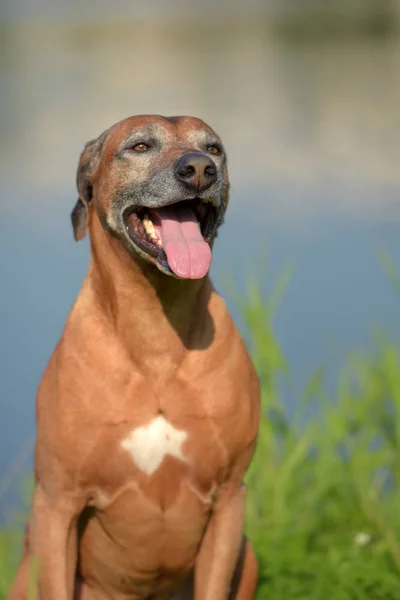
214,149
141,147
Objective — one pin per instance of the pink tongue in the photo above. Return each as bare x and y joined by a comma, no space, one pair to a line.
188,255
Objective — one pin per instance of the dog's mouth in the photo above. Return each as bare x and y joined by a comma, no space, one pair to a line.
177,237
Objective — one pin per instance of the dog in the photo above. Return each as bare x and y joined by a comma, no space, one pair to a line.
148,411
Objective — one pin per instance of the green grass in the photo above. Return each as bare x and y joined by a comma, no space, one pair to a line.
323,506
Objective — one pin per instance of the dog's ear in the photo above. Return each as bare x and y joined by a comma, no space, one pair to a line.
79,220
87,165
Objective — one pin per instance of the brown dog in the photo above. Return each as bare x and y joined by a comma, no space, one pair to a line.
147,413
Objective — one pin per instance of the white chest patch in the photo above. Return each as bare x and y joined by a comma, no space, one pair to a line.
149,444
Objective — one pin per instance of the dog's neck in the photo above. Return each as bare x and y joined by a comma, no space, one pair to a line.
158,318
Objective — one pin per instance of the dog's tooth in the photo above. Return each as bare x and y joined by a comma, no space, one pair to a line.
149,227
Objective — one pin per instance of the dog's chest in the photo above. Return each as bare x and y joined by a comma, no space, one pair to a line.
159,456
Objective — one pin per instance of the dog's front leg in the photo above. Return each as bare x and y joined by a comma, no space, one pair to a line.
54,543
220,546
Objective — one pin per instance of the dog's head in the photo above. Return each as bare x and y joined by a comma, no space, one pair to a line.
158,184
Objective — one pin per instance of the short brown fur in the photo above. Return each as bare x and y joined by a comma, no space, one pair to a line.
139,344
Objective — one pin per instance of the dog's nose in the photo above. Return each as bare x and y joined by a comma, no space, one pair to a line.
196,171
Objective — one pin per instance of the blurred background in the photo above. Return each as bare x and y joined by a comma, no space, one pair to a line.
306,96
